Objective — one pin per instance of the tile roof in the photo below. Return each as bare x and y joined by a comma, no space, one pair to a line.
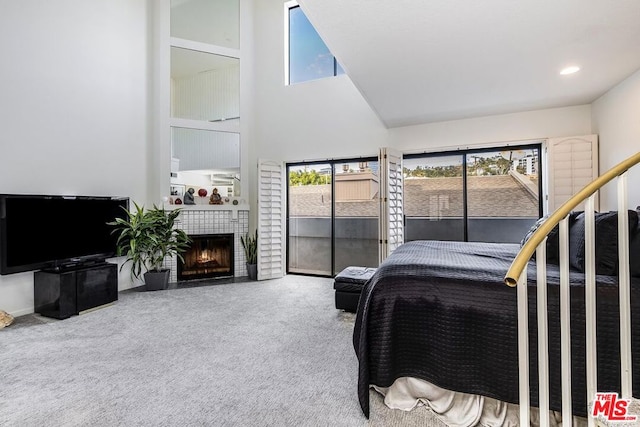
488,196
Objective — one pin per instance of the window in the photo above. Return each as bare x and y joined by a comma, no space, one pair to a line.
204,93
307,57
474,195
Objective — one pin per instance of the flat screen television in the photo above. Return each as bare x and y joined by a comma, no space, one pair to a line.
41,232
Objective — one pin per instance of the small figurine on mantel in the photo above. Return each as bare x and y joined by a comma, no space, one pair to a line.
215,198
188,197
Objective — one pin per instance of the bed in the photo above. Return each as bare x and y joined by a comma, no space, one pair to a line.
440,312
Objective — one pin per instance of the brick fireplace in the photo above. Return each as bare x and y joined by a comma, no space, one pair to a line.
206,220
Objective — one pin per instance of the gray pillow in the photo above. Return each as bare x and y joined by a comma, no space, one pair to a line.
532,230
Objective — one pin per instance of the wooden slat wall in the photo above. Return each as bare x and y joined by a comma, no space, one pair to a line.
210,95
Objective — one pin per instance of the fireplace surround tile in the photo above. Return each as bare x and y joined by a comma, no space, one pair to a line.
196,220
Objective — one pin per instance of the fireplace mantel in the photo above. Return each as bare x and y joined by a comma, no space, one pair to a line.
207,207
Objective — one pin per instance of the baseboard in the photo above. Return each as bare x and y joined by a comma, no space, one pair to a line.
24,311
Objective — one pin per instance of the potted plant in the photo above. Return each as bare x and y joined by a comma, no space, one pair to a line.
250,245
146,237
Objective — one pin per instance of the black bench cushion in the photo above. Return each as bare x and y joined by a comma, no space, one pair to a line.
351,279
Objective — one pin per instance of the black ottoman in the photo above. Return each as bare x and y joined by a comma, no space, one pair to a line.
348,285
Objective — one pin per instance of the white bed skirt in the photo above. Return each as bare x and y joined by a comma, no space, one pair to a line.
459,409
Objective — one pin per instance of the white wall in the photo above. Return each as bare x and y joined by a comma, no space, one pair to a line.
316,119
329,118
555,122
616,119
321,119
77,109
74,106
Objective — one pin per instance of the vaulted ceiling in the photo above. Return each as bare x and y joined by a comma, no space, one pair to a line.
419,61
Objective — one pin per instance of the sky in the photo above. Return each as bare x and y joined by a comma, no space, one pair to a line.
326,168
309,57
456,160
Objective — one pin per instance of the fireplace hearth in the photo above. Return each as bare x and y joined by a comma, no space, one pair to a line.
210,256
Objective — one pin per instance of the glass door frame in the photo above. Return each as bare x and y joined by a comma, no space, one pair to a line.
332,163
464,153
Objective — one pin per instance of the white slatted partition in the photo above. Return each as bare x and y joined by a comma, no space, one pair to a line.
573,163
205,149
271,229
391,224
192,94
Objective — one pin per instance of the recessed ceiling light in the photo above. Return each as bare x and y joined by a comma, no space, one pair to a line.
570,70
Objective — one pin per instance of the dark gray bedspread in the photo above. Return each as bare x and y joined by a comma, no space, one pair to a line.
439,311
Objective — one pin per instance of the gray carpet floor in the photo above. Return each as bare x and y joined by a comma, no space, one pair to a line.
272,353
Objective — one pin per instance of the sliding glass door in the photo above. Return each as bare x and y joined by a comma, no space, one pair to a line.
332,216
309,219
502,194
472,195
434,198
356,211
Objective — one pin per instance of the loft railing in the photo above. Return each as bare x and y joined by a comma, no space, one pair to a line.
517,276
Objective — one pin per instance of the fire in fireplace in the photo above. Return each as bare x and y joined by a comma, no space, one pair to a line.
210,255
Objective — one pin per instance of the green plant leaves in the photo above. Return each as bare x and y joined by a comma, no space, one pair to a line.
148,236
250,245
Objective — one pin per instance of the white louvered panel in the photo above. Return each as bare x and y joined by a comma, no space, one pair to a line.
563,173
391,202
573,163
580,144
584,155
582,165
582,174
270,220
579,183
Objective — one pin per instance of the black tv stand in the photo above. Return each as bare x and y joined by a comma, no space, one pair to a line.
74,264
63,291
